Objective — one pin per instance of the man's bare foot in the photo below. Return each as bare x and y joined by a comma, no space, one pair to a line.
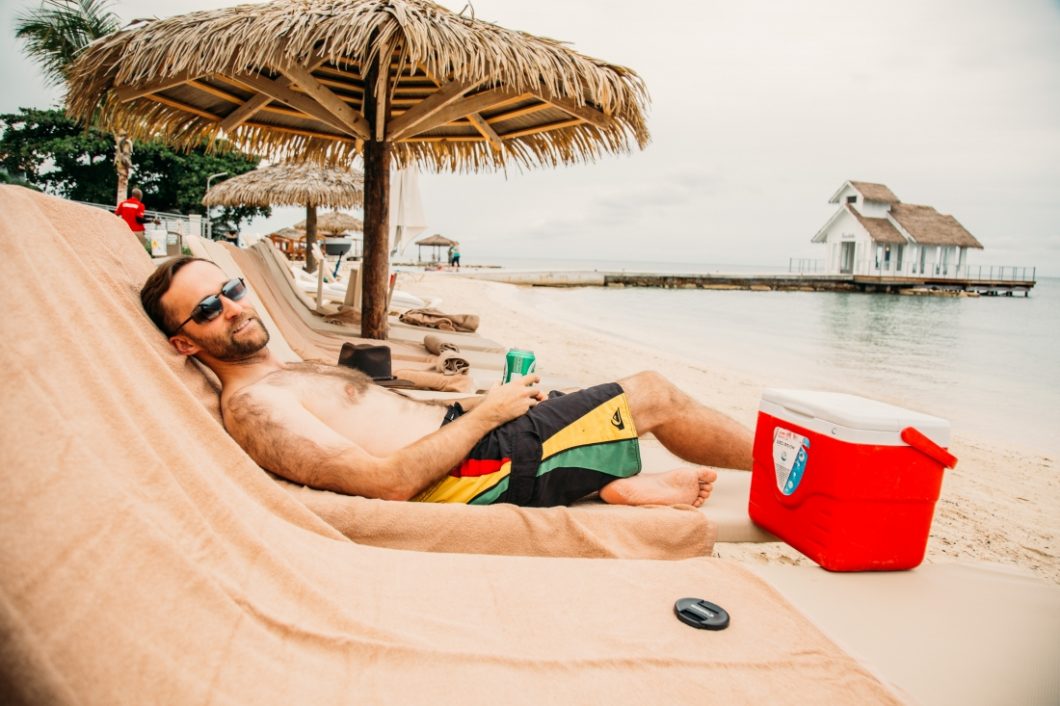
683,486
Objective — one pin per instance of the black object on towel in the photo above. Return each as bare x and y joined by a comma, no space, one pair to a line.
373,361
701,614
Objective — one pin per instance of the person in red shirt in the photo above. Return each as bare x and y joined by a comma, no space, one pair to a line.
132,210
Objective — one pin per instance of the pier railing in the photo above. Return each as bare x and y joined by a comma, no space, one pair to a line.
984,273
994,273
801,265
929,270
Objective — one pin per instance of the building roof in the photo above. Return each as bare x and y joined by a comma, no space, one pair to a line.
875,192
870,192
880,229
929,227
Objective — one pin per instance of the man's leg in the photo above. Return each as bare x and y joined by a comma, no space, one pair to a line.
686,428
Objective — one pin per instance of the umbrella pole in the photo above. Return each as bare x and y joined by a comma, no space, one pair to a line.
310,237
376,251
376,155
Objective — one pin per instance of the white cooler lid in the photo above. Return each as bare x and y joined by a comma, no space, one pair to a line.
852,418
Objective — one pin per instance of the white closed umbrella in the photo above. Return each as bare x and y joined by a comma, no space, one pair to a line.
406,210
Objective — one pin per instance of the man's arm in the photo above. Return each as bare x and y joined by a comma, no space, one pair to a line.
280,434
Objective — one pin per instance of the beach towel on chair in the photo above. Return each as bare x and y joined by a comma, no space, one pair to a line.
432,318
147,559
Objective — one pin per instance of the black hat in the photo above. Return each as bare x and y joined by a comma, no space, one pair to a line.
373,361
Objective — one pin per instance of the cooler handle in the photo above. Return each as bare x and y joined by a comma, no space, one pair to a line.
926,446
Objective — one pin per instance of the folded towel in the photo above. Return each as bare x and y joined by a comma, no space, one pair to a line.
432,318
435,345
449,363
449,360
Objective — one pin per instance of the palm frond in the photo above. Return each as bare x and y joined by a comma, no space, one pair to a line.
59,30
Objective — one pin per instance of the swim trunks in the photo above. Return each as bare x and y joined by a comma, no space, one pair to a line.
560,451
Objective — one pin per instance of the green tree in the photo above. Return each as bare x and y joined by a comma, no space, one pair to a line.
55,154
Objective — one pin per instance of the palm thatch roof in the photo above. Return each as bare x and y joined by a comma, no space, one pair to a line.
868,190
334,222
290,184
875,192
287,234
929,227
436,239
288,78
880,229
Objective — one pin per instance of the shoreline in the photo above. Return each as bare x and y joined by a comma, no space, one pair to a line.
999,505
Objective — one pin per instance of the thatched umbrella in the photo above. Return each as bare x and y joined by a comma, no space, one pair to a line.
291,242
401,80
333,222
292,184
287,233
436,241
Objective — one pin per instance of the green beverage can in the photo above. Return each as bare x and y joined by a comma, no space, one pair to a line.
517,364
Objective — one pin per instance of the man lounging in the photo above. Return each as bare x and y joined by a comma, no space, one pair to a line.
331,428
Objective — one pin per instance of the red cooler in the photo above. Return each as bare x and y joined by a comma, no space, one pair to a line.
849,482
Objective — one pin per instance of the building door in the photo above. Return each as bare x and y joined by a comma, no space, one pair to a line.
898,258
846,259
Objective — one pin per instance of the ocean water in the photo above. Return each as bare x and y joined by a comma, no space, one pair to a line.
990,365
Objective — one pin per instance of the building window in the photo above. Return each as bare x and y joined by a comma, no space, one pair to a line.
852,199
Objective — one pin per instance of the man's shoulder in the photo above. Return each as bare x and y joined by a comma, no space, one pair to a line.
264,389
293,382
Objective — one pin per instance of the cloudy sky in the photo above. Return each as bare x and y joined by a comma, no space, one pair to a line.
760,110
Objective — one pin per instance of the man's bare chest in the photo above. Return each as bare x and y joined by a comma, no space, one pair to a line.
374,418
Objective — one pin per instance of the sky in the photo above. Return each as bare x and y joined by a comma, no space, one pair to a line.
760,110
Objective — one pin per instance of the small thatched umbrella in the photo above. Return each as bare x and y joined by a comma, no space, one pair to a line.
292,184
290,241
334,223
435,241
406,80
287,233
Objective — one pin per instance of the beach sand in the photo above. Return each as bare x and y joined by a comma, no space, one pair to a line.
999,505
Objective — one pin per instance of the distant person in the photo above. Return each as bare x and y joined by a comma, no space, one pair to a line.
455,261
449,255
132,210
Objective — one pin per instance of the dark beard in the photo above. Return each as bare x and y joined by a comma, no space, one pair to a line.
226,348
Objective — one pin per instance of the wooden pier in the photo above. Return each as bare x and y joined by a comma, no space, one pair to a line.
791,282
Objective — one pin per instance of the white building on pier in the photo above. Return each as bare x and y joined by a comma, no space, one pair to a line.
874,233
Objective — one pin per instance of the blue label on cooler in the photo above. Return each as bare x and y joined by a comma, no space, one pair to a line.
790,455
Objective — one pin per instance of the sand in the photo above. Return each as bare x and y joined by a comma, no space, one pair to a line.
1000,505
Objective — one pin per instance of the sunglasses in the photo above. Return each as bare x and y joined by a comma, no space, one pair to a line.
211,307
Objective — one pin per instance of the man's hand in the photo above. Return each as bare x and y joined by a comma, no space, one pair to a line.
506,402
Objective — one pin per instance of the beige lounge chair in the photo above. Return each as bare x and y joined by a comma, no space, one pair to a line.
148,560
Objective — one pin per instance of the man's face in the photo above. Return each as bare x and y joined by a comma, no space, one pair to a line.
236,334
